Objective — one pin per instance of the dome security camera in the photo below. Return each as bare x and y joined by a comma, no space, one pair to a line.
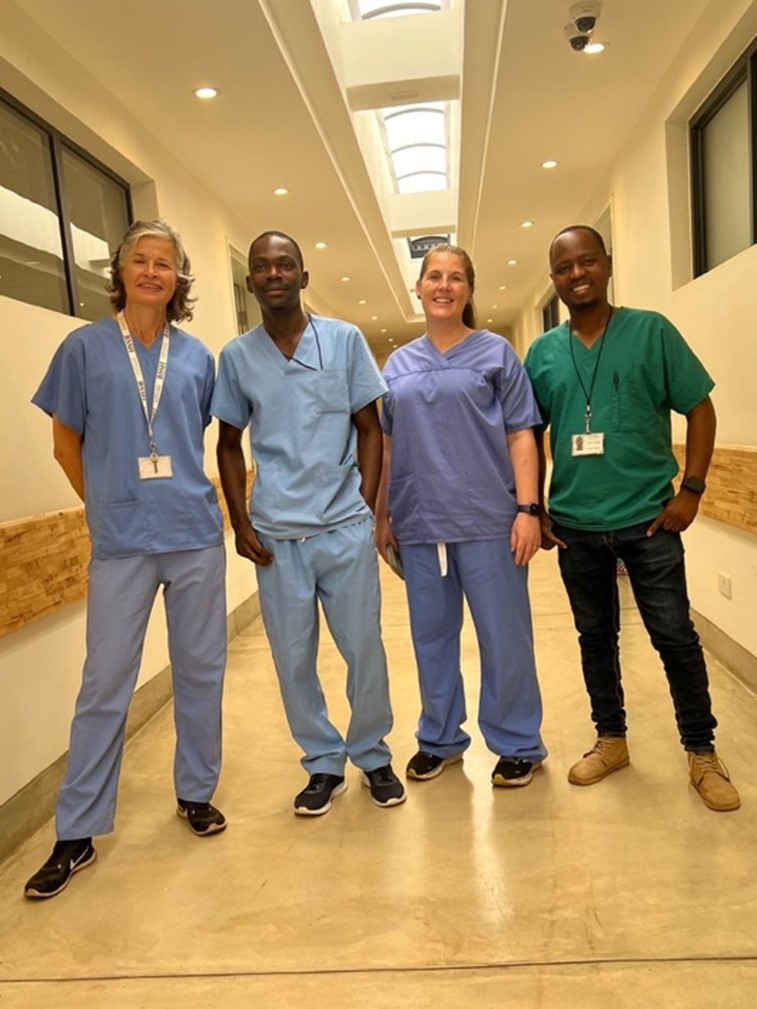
584,17
577,40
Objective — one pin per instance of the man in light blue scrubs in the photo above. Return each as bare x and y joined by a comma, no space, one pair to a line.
129,399
307,387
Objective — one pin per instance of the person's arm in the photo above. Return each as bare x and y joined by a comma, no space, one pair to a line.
368,451
548,539
681,510
525,538
233,472
384,532
67,452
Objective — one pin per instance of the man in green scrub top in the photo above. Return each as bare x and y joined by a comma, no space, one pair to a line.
606,382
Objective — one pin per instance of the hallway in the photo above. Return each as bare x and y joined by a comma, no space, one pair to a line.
628,893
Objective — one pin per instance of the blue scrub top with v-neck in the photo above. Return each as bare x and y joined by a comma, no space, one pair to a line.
449,415
299,412
90,387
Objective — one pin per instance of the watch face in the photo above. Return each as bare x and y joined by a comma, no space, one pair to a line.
530,509
694,484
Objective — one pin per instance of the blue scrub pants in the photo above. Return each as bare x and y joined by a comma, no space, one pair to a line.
496,589
339,568
121,595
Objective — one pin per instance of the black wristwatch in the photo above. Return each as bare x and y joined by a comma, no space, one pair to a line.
530,509
694,484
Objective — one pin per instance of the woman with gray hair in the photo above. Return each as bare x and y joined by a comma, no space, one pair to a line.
129,398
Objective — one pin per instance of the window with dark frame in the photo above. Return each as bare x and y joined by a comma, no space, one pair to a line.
550,314
62,215
723,136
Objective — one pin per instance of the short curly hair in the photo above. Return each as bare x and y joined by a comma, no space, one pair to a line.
180,305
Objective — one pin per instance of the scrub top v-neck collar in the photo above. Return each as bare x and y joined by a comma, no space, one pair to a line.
305,358
447,355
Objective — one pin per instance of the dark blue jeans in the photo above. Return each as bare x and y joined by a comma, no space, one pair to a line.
655,567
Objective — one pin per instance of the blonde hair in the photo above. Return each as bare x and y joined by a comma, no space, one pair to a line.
180,305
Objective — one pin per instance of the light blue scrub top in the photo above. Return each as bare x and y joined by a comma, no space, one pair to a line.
90,387
300,417
449,415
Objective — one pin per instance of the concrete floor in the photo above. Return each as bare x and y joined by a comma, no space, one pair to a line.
629,893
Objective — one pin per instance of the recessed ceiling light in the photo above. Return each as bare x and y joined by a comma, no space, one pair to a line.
490,320
281,191
495,306
502,287
345,280
374,318
526,224
595,47
362,302
550,164
383,330
512,262
320,245
205,93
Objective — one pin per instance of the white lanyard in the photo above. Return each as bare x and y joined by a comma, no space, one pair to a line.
160,377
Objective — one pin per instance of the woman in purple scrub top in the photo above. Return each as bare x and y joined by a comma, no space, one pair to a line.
459,503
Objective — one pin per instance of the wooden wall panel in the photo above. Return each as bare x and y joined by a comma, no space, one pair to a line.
44,562
731,494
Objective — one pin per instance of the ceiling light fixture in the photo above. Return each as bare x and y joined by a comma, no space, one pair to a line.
205,93
374,318
550,164
595,47
281,191
345,280
526,224
502,287
512,262
362,301
320,245
383,330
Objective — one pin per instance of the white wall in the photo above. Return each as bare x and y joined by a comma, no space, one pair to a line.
40,666
717,313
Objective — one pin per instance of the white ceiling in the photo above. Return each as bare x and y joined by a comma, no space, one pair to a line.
281,120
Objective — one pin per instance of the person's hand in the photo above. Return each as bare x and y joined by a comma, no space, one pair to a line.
384,536
678,513
248,545
548,539
525,537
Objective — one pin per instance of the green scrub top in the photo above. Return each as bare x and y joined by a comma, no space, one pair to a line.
644,370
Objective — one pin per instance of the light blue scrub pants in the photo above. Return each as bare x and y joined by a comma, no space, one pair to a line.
121,595
496,588
339,568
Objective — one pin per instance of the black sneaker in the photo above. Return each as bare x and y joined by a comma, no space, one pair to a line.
386,788
428,765
315,799
203,819
512,772
67,858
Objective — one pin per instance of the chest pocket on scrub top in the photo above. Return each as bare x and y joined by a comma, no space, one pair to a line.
330,392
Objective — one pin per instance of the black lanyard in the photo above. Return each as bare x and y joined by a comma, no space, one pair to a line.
588,395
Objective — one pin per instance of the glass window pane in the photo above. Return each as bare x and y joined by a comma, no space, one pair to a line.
418,159
422,182
415,126
98,210
388,8
31,254
726,179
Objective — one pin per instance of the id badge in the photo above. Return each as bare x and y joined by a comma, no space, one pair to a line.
155,467
588,444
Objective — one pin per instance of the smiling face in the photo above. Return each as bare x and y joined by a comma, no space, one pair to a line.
276,275
444,288
149,272
580,270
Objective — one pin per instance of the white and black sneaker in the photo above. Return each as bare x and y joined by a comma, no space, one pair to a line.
67,858
315,798
386,788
